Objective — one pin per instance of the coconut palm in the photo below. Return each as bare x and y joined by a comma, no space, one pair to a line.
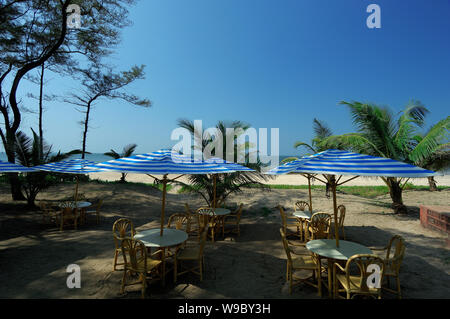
321,131
127,151
432,156
28,153
226,184
380,134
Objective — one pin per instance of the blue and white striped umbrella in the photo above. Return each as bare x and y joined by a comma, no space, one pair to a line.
7,167
231,165
73,166
337,162
162,162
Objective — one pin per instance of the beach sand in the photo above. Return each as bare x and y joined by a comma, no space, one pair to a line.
34,255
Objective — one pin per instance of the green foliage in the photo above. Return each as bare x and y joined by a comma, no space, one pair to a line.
127,151
321,131
226,184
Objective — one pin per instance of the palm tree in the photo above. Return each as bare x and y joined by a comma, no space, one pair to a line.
321,131
127,151
28,153
430,155
226,184
379,134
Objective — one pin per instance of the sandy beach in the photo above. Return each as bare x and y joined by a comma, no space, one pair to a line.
34,255
288,179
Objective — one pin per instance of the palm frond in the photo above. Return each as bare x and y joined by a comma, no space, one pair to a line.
321,129
128,150
298,144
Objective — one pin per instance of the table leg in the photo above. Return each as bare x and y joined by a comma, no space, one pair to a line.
330,277
163,260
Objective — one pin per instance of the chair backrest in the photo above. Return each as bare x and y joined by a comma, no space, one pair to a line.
122,228
134,253
187,209
239,213
320,225
179,220
395,252
99,204
362,266
283,217
341,215
205,216
301,205
69,212
287,249
203,236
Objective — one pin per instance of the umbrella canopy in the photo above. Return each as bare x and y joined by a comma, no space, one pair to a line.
336,162
7,167
162,162
73,166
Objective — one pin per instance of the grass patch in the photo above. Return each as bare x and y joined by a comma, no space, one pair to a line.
157,186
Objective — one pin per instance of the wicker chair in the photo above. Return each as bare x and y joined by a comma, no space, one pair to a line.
319,226
354,278
302,262
122,228
341,216
68,216
207,218
193,228
98,206
291,226
48,213
233,220
394,253
191,253
301,205
136,261
179,221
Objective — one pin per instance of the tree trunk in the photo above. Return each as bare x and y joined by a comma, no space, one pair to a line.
122,179
432,183
41,134
86,122
395,190
16,186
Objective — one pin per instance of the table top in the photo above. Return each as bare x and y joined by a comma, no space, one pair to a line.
221,211
170,237
72,204
302,214
327,248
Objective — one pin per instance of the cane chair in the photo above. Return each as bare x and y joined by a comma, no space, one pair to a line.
193,228
122,228
302,206
48,213
97,210
233,220
137,262
68,216
362,275
393,257
178,221
302,262
290,225
207,218
191,253
319,226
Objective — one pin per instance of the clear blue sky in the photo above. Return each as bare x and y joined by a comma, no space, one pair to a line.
273,64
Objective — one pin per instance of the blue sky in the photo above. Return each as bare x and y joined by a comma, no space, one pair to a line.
272,64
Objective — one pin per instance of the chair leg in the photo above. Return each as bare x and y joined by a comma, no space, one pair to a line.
116,253
201,269
399,289
144,286
175,262
124,278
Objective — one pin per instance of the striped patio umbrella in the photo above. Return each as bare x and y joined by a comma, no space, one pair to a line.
162,162
7,167
73,166
336,162
231,165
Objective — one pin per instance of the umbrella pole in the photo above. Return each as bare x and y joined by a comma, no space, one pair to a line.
163,204
309,188
76,190
214,185
333,188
